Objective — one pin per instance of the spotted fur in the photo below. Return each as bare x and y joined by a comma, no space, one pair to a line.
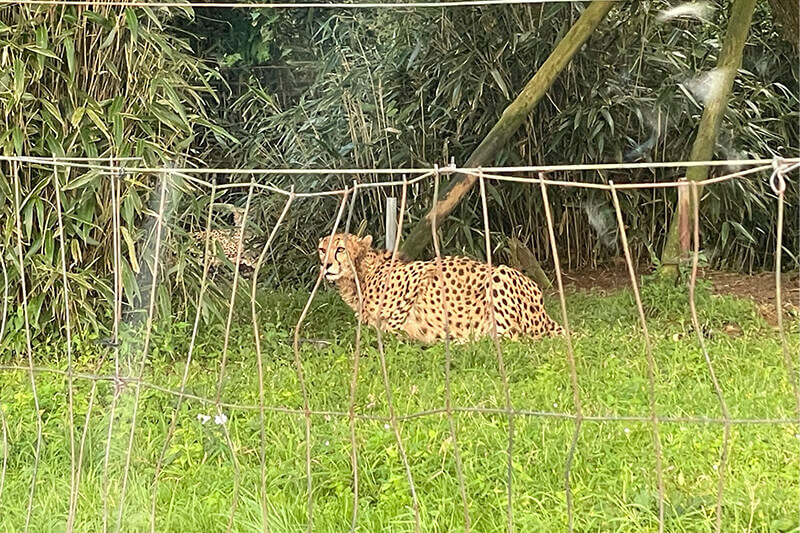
228,241
411,296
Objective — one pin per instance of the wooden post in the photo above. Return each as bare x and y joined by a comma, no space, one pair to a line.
391,222
683,218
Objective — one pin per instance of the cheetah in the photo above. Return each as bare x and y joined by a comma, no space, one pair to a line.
228,240
409,296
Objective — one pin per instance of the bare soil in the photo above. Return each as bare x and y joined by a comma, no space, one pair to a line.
758,287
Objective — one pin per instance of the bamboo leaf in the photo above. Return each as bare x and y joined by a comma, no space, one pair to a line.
69,50
132,22
131,249
19,79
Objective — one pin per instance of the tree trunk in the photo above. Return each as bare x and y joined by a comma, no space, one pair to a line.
721,80
786,16
521,258
512,118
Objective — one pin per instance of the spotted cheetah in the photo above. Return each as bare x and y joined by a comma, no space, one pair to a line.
409,296
228,241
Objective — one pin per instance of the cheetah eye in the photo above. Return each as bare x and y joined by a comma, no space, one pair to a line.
339,250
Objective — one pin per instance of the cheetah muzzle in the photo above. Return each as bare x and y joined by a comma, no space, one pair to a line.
426,299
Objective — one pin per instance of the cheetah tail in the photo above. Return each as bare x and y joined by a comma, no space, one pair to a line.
554,329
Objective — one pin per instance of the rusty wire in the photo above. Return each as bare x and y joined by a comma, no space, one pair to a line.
68,330
648,347
260,360
28,346
146,349
121,380
576,393
500,362
447,355
723,405
189,355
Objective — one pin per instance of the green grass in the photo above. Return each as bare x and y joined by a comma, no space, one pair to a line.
613,474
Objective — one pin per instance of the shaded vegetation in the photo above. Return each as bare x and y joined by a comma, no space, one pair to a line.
380,88
364,89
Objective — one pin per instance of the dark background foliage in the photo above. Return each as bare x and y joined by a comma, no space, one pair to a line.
373,89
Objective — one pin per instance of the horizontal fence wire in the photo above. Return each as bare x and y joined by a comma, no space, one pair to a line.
129,383
130,371
103,165
435,4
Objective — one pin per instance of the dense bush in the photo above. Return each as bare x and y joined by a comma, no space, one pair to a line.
366,88
404,88
99,83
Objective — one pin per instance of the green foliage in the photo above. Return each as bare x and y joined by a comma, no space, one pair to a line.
368,88
411,88
100,83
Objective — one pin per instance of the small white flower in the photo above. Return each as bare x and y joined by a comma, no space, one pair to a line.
327,443
627,430
386,427
203,418
555,405
715,467
220,419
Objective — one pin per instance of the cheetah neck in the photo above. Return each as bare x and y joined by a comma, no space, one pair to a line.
365,267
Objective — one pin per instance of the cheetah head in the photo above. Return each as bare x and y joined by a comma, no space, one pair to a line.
339,253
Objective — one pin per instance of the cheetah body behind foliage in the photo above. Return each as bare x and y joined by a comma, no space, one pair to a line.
228,241
409,296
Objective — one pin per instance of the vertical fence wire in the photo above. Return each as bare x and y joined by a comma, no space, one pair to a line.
116,203
401,449
3,424
298,363
223,363
190,353
448,357
500,362
73,488
28,345
165,180
576,394
354,375
651,365
115,339
778,183
723,405
260,363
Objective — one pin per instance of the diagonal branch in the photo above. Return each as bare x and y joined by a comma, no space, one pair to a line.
512,118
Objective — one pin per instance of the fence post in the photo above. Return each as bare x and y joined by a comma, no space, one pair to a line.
391,222
683,210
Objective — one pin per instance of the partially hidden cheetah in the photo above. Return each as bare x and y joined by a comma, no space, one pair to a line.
409,296
228,241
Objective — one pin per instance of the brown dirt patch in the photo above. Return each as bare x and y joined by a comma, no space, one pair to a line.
758,287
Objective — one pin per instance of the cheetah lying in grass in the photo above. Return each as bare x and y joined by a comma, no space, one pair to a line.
228,241
409,295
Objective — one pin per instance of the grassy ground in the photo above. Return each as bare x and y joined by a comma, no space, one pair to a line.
613,473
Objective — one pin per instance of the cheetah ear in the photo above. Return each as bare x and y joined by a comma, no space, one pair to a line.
366,241
237,215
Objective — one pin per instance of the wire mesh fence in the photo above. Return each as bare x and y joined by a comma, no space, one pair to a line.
110,385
